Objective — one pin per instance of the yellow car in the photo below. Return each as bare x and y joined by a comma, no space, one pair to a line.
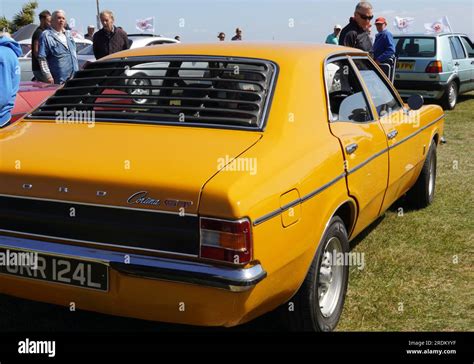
208,184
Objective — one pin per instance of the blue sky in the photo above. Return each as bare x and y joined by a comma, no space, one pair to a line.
198,21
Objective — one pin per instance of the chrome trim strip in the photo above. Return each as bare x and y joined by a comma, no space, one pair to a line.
368,160
223,277
96,205
298,201
349,172
96,243
416,132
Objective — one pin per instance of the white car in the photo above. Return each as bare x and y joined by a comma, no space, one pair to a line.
86,55
25,59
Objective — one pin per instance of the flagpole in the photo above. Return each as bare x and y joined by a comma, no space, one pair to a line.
449,25
98,12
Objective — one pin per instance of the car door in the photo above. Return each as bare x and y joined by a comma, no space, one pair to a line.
461,64
406,152
469,47
361,136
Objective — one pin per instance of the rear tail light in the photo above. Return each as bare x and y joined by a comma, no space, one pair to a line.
435,67
226,240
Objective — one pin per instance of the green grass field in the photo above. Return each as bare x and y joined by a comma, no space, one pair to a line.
418,273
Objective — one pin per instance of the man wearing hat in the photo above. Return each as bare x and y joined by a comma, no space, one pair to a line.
384,45
333,38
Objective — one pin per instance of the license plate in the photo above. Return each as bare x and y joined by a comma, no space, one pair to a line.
57,269
405,66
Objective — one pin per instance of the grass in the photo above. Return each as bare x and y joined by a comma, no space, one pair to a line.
418,273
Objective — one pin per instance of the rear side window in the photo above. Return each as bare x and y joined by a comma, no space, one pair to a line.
187,90
423,47
347,101
456,48
469,46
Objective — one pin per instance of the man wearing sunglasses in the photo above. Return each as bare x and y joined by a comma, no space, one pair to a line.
356,33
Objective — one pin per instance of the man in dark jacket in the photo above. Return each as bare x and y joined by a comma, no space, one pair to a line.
356,33
10,73
110,39
45,23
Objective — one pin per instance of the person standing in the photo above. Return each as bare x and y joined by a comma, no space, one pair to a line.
110,39
333,38
90,33
221,36
238,34
384,45
10,74
356,33
45,23
57,51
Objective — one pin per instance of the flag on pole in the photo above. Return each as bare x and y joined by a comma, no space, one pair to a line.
439,26
146,25
402,24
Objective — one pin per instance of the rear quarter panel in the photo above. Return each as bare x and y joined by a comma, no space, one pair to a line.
296,152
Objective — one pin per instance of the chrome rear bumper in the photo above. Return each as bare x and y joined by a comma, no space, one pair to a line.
150,267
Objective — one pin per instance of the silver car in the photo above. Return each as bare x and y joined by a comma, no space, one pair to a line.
438,66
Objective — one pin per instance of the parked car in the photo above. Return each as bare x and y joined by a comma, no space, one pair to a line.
30,96
86,55
233,191
25,59
439,67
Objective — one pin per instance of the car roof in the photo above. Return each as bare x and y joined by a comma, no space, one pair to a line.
429,35
140,41
273,51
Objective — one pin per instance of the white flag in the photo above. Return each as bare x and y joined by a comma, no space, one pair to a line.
402,24
146,25
439,26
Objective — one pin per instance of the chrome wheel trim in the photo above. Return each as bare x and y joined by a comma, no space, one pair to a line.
431,178
139,91
330,277
452,95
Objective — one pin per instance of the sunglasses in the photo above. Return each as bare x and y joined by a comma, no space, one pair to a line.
365,17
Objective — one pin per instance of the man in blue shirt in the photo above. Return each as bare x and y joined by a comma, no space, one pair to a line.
384,45
333,38
57,51
10,74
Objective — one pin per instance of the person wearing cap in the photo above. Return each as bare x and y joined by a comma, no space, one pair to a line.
221,36
384,45
333,38
90,33
238,34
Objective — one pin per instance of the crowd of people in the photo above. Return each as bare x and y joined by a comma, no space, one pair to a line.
54,57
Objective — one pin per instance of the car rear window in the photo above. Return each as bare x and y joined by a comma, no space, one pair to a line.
424,47
186,90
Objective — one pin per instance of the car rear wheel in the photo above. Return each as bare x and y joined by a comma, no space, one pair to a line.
422,193
317,306
450,97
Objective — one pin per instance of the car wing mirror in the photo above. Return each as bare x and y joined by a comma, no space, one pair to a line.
415,102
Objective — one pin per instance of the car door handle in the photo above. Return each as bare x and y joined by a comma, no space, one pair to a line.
456,64
392,134
351,148
472,62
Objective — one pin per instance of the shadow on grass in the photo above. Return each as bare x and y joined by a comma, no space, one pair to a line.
366,232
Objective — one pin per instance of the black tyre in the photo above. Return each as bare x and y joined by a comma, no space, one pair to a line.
423,191
318,304
450,97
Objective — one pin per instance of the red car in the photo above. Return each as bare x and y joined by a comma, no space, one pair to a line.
30,96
